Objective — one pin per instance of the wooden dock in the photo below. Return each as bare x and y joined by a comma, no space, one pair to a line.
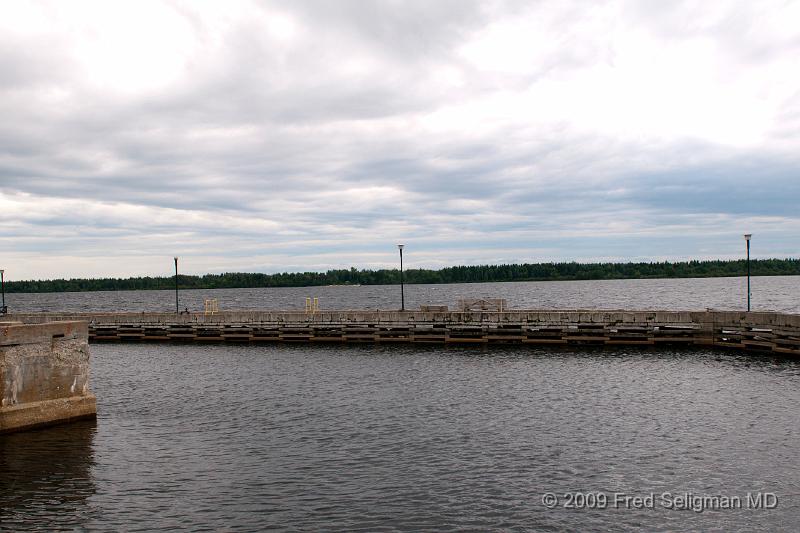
771,332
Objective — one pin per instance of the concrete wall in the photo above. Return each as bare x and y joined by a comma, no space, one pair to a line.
533,316
44,374
762,331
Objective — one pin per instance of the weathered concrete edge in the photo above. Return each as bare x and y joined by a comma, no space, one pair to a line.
47,413
34,333
755,318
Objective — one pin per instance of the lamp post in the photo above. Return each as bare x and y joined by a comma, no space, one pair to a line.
176,286
402,290
747,237
3,309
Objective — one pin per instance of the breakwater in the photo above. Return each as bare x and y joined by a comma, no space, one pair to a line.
761,331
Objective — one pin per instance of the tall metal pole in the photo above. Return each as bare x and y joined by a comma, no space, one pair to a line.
747,239
3,284
177,311
402,289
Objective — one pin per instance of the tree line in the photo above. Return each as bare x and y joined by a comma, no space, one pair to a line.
455,274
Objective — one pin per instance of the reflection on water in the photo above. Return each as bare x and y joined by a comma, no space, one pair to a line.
46,476
377,438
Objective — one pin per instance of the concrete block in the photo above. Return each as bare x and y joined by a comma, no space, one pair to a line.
44,375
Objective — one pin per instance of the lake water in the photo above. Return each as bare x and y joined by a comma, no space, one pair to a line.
403,438
774,293
410,438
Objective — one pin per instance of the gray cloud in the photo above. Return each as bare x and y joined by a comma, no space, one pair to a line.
272,135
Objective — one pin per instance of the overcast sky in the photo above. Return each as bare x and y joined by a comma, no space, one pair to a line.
282,136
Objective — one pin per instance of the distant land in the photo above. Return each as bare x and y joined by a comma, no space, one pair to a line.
455,274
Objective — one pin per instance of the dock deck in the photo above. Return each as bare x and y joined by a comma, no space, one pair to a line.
761,331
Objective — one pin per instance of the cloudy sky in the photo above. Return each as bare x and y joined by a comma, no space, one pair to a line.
308,135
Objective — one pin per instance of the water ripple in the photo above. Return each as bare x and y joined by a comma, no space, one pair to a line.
402,438
770,293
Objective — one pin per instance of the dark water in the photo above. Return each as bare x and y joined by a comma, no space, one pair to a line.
372,438
777,293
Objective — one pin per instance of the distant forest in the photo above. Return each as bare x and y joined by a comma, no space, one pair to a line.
456,274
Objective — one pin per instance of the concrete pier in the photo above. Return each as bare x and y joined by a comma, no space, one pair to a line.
770,332
44,374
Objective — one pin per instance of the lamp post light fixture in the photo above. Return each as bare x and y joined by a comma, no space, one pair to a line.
3,308
402,290
747,237
177,311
